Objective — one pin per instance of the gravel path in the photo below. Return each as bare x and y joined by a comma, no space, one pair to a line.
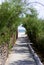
20,54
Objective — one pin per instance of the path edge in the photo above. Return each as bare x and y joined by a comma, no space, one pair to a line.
35,56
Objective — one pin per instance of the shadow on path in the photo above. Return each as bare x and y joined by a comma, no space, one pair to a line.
24,62
20,54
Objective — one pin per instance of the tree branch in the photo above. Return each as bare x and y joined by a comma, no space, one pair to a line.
35,2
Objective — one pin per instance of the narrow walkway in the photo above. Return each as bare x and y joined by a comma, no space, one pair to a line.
20,54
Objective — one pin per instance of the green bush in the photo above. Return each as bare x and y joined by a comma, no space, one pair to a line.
35,30
9,19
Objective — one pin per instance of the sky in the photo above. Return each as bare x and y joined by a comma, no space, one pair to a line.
20,27
39,8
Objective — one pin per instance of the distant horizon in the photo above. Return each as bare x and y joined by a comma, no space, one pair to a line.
21,30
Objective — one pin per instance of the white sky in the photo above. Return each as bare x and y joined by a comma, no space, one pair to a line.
1,1
20,27
39,8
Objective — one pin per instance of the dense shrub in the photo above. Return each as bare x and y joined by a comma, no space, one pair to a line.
9,20
35,29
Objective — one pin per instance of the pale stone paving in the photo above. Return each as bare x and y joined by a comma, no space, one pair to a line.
20,54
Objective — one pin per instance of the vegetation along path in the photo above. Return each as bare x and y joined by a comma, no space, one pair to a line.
20,54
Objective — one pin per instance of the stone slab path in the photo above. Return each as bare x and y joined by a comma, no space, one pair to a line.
20,54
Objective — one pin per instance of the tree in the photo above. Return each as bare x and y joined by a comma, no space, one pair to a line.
9,19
